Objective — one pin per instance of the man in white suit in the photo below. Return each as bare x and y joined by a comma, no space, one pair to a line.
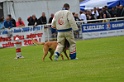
64,22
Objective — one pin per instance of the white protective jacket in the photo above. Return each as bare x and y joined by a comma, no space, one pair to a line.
63,20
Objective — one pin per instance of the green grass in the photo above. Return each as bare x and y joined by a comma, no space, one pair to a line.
100,60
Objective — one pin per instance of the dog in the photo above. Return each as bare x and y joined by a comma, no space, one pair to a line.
50,46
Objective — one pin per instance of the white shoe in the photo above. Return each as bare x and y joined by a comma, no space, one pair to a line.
16,58
21,57
56,57
75,59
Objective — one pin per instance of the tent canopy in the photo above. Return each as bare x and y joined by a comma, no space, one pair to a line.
26,8
90,4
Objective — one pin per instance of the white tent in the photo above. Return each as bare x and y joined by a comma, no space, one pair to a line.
26,8
90,4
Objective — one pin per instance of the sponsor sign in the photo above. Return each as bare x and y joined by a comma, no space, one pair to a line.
107,29
25,35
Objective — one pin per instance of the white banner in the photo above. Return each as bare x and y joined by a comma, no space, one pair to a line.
97,30
100,34
25,35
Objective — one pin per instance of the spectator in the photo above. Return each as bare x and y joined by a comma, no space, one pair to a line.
120,11
104,17
108,15
105,11
95,13
89,15
12,20
20,23
32,20
53,31
76,17
51,18
1,23
83,16
8,23
42,20
76,33
113,12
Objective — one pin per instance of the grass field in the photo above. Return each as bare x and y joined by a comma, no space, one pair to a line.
100,60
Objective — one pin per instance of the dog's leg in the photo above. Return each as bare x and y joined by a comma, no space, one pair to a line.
51,54
65,54
45,49
62,56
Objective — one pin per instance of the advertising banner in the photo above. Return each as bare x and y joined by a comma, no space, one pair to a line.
25,35
107,29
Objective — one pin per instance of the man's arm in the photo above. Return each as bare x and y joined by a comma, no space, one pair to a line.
72,21
53,24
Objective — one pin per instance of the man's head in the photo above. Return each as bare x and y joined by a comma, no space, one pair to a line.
76,15
73,13
10,17
7,18
19,19
106,7
82,12
33,17
43,14
121,6
52,15
94,9
66,6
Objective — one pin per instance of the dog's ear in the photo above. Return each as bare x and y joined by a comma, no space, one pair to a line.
32,40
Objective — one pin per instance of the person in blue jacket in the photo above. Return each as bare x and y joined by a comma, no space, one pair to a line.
8,23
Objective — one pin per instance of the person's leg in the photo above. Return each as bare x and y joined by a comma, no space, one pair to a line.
60,46
72,42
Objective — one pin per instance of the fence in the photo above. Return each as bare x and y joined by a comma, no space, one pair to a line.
80,34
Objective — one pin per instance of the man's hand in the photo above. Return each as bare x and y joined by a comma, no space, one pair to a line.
54,27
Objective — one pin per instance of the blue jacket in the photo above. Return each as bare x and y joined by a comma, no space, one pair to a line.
8,24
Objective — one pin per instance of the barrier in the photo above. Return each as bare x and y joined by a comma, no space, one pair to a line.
97,30
87,31
24,34
87,35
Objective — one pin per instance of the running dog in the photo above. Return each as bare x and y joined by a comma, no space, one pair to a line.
50,46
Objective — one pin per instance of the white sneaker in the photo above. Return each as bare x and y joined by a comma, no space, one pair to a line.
21,57
75,59
16,58
56,57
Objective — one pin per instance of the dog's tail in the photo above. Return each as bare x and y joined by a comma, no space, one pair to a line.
38,43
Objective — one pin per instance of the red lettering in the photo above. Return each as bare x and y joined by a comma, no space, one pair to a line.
3,39
21,37
8,44
25,42
34,35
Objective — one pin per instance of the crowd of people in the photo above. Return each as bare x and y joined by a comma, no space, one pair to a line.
9,22
103,13
93,14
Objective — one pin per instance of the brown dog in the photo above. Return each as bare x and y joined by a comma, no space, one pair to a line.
50,46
